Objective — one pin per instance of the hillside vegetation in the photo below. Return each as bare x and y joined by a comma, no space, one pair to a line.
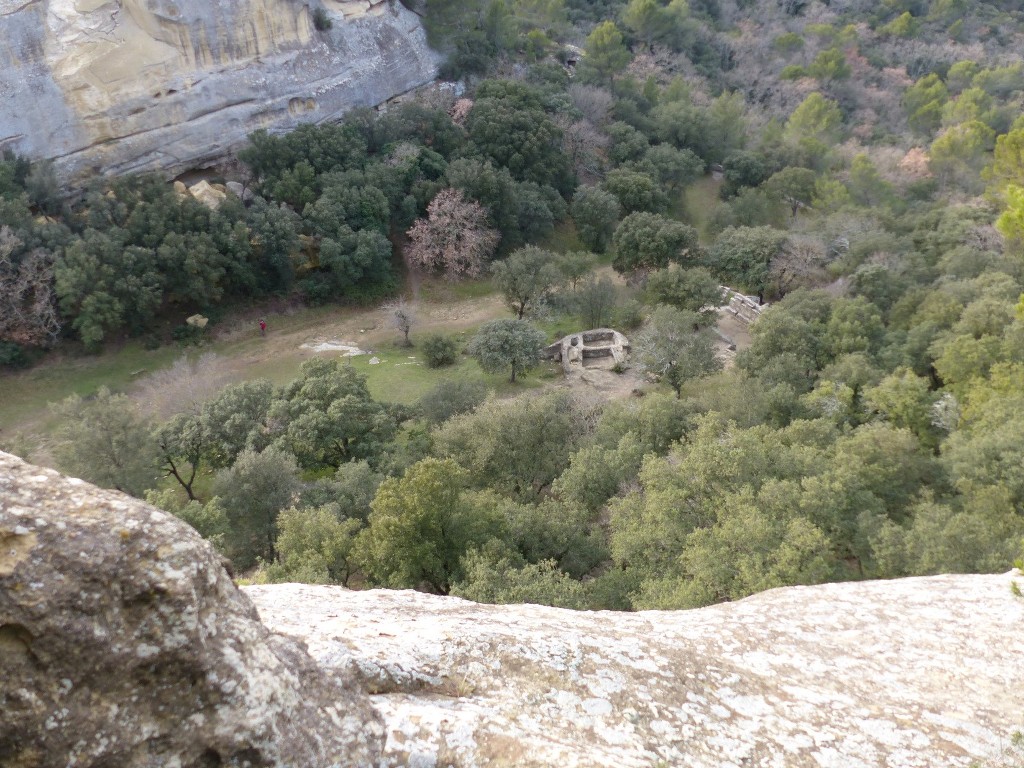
857,165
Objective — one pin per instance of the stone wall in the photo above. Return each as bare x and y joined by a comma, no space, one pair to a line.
131,85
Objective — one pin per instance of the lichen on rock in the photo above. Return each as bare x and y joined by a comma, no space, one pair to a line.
124,642
905,673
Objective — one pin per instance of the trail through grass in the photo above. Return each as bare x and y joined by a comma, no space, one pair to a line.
446,308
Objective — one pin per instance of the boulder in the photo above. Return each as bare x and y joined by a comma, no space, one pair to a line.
207,194
906,673
125,643
238,190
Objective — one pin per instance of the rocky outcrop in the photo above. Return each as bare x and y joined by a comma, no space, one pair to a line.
124,642
130,85
909,673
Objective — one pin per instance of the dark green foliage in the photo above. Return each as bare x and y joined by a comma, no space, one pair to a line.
508,125
321,21
354,260
439,350
507,345
326,417
744,169
322,148
12,355
107,285
521,211
451,398
674,168
636,191
741,256
236,420
596,213
645,241
628,144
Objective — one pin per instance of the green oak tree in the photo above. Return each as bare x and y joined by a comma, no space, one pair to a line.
507,345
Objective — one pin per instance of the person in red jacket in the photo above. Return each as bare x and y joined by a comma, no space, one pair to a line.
263,327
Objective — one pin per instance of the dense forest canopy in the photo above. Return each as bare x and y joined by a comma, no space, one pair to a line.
858,165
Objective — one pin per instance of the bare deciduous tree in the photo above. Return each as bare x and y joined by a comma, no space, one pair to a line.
584,145
595,103
800,262
402,316
184,387
453,238
28,308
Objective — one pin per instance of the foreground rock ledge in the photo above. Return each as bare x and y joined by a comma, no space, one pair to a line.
124,642
916,672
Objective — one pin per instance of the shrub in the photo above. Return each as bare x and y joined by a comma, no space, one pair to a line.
321,20
450,398
187,335
439,350
12,355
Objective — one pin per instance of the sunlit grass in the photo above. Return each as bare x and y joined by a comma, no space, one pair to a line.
698,204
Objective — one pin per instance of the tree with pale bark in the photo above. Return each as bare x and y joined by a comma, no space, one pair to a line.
402,317
28,309
453,238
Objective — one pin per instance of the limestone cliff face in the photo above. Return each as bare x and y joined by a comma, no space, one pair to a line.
123,642
128,85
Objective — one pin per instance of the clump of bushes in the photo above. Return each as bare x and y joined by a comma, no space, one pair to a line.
439,350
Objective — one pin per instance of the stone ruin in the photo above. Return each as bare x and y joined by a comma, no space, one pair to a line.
745,308
597,348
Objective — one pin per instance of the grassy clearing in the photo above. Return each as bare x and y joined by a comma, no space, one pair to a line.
451,308
700,201
27,394
435,290
401,376
564,238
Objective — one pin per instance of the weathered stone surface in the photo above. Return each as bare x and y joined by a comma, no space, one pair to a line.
917,672
124,642
207,194
129,85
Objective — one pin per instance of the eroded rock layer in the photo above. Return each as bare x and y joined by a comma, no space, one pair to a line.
916,672
128,85
124,643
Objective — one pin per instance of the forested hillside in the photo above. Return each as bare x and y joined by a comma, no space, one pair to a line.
858,166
